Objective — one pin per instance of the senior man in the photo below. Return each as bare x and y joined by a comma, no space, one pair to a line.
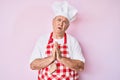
58,56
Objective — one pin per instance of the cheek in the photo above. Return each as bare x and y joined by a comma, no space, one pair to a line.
54,23
65,27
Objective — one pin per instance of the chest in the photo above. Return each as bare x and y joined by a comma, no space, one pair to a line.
63,50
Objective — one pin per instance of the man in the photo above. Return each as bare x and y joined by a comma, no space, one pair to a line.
58,56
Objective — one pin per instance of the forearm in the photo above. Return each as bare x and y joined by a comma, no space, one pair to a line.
76,65
38,64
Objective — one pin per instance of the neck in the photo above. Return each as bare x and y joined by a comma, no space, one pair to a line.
58,35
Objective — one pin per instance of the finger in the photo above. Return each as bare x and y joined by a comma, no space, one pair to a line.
56,44
53,50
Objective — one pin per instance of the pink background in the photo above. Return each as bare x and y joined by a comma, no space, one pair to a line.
97,28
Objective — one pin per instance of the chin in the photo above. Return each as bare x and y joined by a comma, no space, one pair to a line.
58,32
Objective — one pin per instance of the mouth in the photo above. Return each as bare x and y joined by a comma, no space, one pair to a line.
59,28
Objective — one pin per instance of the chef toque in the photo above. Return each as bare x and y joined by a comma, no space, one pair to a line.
65,9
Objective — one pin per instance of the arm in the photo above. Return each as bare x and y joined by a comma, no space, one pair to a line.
76,65
38,64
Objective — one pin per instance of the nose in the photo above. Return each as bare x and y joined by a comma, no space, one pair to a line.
61,23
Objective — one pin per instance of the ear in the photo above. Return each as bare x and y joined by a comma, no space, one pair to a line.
53,21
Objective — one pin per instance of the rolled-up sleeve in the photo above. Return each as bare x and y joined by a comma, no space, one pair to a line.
77,52
36,52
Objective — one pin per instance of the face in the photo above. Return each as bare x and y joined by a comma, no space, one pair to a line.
60,24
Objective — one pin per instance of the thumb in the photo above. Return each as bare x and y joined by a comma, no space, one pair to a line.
56,44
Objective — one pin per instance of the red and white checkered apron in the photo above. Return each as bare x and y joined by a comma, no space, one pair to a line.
62,72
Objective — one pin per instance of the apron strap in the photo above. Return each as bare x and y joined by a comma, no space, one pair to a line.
51,39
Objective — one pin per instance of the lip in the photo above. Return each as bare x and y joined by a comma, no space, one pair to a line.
59,28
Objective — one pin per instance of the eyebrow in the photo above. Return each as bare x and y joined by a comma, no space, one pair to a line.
61,19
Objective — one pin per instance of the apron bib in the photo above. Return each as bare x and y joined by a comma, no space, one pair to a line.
62,72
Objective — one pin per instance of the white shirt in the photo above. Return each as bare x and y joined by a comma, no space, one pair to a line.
73,48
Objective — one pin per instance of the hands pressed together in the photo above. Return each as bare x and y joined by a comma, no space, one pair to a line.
56,53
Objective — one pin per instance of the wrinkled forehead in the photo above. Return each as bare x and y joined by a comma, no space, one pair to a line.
61,17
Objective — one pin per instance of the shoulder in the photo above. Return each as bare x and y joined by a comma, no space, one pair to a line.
72,41
43,39
71,38
45,36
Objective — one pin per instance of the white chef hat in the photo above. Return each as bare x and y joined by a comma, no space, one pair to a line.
65,9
